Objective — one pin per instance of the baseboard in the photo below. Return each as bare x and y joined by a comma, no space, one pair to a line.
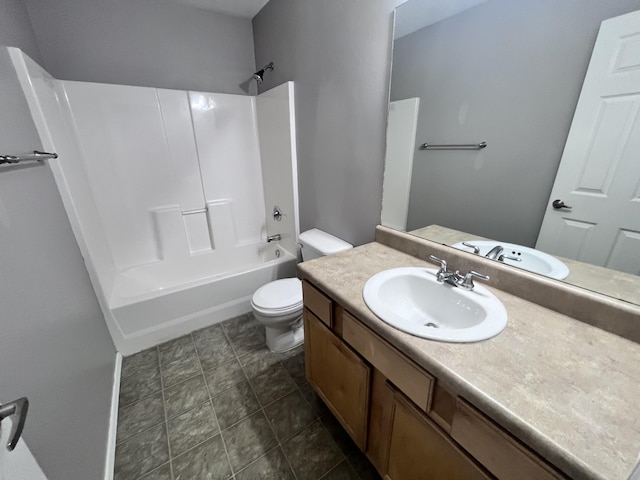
113,420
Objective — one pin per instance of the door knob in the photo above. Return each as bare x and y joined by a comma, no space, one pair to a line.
18,409
558,204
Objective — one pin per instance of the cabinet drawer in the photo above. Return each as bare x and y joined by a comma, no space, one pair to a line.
318,303
402,372
501,454
420,450
339,376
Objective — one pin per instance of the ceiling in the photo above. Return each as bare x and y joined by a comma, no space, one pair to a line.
238,8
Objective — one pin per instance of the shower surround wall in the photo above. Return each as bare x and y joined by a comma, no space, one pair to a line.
165,192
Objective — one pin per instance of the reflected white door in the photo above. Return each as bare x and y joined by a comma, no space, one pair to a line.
599,174
19,464
401,142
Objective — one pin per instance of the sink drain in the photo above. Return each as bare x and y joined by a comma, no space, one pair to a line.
432,325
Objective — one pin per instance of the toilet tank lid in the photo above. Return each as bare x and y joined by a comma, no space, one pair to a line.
323,242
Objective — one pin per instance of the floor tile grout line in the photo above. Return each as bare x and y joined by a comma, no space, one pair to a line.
318,417
124,377
275,447
208,439
166,420
280,360
138,400
345,457
166,387
261,409
145,430
345,460
145,475
215,414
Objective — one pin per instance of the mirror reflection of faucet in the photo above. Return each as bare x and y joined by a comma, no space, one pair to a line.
496,253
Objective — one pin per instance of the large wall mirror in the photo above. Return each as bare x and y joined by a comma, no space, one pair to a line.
498,108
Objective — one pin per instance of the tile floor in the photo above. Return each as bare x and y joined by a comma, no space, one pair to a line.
216,404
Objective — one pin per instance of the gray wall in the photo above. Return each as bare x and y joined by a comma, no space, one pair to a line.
517,69
54,346
16,29
338,55
154,43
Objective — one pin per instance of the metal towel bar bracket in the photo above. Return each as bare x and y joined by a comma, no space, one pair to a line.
462,146
35,157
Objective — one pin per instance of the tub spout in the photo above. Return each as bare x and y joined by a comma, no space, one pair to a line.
272,238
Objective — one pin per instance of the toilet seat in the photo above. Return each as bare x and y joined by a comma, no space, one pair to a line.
279,297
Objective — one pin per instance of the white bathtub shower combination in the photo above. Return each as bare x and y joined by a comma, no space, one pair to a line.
170,195
200,290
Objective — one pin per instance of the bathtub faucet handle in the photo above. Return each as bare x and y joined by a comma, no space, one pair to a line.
277,213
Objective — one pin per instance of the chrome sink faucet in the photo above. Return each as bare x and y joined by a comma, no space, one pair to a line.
455,278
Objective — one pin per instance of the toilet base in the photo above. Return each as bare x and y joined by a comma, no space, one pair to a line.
282,339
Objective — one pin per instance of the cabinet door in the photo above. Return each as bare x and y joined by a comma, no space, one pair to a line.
419,450
340,377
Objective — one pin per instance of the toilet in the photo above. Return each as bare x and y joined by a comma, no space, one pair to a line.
278,304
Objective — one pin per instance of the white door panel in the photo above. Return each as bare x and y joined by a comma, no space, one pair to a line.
599,174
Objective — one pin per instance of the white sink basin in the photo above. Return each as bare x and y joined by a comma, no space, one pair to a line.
411,300
531,259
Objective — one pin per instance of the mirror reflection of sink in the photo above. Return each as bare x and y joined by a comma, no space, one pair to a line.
410,299
530,259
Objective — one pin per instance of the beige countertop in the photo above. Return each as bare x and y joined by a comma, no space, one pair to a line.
568,390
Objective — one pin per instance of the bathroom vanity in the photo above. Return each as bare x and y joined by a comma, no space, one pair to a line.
550,397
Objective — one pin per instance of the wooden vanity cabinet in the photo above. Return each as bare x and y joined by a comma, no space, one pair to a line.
409,426
340,377
419,450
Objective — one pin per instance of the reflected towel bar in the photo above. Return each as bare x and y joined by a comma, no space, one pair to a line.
463,146
35,157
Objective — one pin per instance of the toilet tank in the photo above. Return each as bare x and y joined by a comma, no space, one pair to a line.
316,243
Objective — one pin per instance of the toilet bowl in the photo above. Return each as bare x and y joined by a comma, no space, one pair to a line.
278,304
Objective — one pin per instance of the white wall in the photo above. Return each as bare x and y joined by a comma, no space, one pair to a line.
54,347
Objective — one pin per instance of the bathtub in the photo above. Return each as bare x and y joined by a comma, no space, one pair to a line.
156,302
